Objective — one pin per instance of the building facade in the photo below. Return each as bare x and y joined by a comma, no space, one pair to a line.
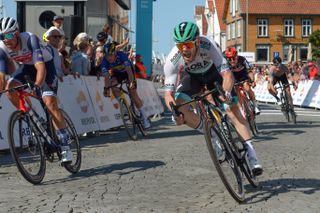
80,16
270,28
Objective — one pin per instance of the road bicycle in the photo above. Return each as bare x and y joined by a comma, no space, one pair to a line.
32,139
286,108
247,107
132,119
232,164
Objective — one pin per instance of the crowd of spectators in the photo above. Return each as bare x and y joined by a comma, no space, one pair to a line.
300,71
85,55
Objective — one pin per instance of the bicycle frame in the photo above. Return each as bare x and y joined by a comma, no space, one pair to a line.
35,117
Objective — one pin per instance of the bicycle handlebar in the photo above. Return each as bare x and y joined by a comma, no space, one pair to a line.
197,97
18,88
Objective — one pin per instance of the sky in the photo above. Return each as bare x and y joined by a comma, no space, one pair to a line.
166,14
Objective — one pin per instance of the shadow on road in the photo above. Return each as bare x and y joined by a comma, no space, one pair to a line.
119,168
271,188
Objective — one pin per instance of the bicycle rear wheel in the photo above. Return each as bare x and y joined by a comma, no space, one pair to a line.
128,120
227,167
73,142
26,147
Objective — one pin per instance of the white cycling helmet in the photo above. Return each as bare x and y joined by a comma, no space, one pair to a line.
8,25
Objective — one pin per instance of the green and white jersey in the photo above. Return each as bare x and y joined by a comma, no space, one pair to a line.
208,55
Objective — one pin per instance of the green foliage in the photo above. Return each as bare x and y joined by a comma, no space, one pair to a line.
314,39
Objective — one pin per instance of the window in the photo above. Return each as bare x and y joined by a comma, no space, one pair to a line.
288,27
239,28
234,7
262,27
233,29
262,52
303,53
238,48
237,4
286,53
306,27
228,32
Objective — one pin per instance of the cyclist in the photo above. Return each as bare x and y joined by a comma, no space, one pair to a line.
116,67
279,72
242,71
36,63
202,64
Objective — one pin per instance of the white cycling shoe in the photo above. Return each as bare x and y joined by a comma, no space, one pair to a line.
66,154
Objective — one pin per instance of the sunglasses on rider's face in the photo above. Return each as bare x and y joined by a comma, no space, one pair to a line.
7,36
188,45
233,58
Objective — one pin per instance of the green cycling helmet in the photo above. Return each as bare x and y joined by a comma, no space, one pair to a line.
185,31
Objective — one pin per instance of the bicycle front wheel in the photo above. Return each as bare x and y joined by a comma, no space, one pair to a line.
26,147
73,142
225,163
128,120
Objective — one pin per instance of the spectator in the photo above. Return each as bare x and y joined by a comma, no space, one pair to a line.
101,38
140,69
106,29
66,61
80,62
96,68
313,71
54,36
58,23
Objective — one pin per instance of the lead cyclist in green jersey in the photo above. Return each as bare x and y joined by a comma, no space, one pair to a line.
202,63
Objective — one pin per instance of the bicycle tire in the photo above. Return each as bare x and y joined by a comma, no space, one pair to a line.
240,152
250,117
291,110
128,120
235,190
142,129
74,144
284,107
32,145
252,179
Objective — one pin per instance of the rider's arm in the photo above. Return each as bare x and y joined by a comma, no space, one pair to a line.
170,75
38,60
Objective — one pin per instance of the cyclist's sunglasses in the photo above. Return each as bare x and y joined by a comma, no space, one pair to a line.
7,36
187,44
232,58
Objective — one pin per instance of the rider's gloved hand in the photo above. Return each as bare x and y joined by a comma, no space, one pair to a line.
37,91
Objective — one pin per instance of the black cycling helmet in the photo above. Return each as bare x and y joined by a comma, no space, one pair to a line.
110,48
101,36
277,60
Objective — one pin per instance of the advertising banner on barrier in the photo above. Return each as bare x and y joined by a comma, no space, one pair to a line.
311,98
106,109
300,94
75,100
151,100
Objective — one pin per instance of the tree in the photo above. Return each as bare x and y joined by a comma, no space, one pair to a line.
314,39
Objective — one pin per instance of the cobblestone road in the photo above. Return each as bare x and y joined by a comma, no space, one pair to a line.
170,171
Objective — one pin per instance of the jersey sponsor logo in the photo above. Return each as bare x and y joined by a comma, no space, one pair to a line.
175,58
27,58
238,68
199,67
169,86
205,45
